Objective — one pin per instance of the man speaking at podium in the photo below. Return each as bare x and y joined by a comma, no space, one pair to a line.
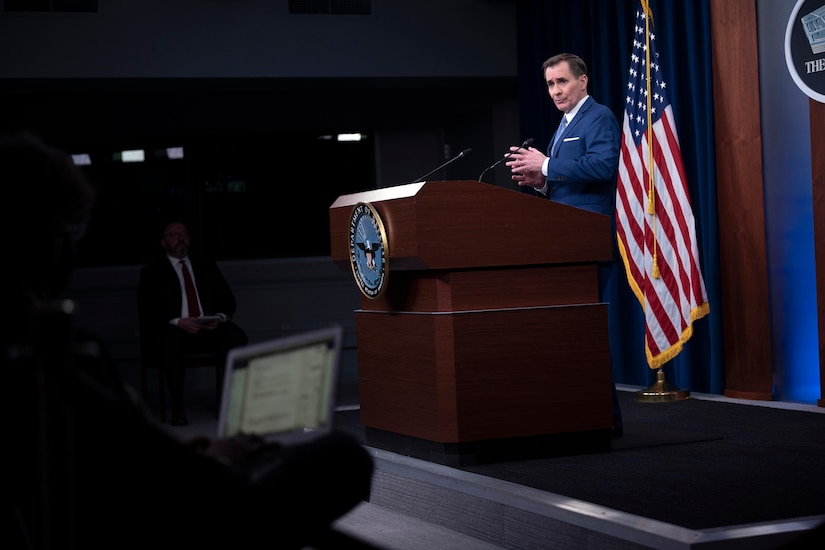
581,164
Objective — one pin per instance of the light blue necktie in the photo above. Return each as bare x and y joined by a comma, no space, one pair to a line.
559,132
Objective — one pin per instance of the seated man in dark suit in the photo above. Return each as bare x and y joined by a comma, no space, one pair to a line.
185,305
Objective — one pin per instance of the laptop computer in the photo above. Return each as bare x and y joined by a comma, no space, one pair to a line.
282,390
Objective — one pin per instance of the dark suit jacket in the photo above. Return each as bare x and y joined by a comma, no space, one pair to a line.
584,168
159,297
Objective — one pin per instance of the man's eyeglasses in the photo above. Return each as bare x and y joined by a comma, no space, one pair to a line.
177,234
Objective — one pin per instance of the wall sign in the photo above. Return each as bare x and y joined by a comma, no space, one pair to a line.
805,47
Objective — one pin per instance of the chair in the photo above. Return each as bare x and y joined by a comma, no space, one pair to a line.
192,360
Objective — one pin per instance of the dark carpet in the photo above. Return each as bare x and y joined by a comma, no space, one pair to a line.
698,464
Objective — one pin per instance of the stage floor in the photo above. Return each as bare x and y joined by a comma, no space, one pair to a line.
706,467
697,463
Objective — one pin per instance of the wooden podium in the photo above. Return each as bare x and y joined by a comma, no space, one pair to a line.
488,337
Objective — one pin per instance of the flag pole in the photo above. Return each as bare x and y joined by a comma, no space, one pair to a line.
660,391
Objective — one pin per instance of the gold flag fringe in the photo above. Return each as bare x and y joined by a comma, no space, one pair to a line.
696,313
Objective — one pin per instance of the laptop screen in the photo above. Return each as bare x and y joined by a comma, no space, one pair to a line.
284,389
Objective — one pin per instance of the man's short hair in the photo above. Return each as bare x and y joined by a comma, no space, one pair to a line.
577,65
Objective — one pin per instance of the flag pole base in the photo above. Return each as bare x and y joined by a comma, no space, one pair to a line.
661,391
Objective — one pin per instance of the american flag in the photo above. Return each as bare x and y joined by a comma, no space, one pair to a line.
654,220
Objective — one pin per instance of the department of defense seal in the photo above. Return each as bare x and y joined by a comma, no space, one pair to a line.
368,250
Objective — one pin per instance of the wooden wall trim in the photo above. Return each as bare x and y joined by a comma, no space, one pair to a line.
817,110
740,194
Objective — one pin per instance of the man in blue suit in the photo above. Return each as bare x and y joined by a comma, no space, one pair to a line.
581,164
580,167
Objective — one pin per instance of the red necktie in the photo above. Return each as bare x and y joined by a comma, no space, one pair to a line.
191,295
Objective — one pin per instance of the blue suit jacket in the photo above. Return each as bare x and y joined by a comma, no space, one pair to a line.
584,168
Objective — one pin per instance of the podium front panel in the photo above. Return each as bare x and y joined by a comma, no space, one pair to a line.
493,288
480,375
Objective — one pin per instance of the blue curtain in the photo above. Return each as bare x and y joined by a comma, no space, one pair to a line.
601,32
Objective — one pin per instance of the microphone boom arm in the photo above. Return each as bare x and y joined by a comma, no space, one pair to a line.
527,143
455,158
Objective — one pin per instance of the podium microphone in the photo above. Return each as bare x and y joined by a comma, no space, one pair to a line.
527,143
463,153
